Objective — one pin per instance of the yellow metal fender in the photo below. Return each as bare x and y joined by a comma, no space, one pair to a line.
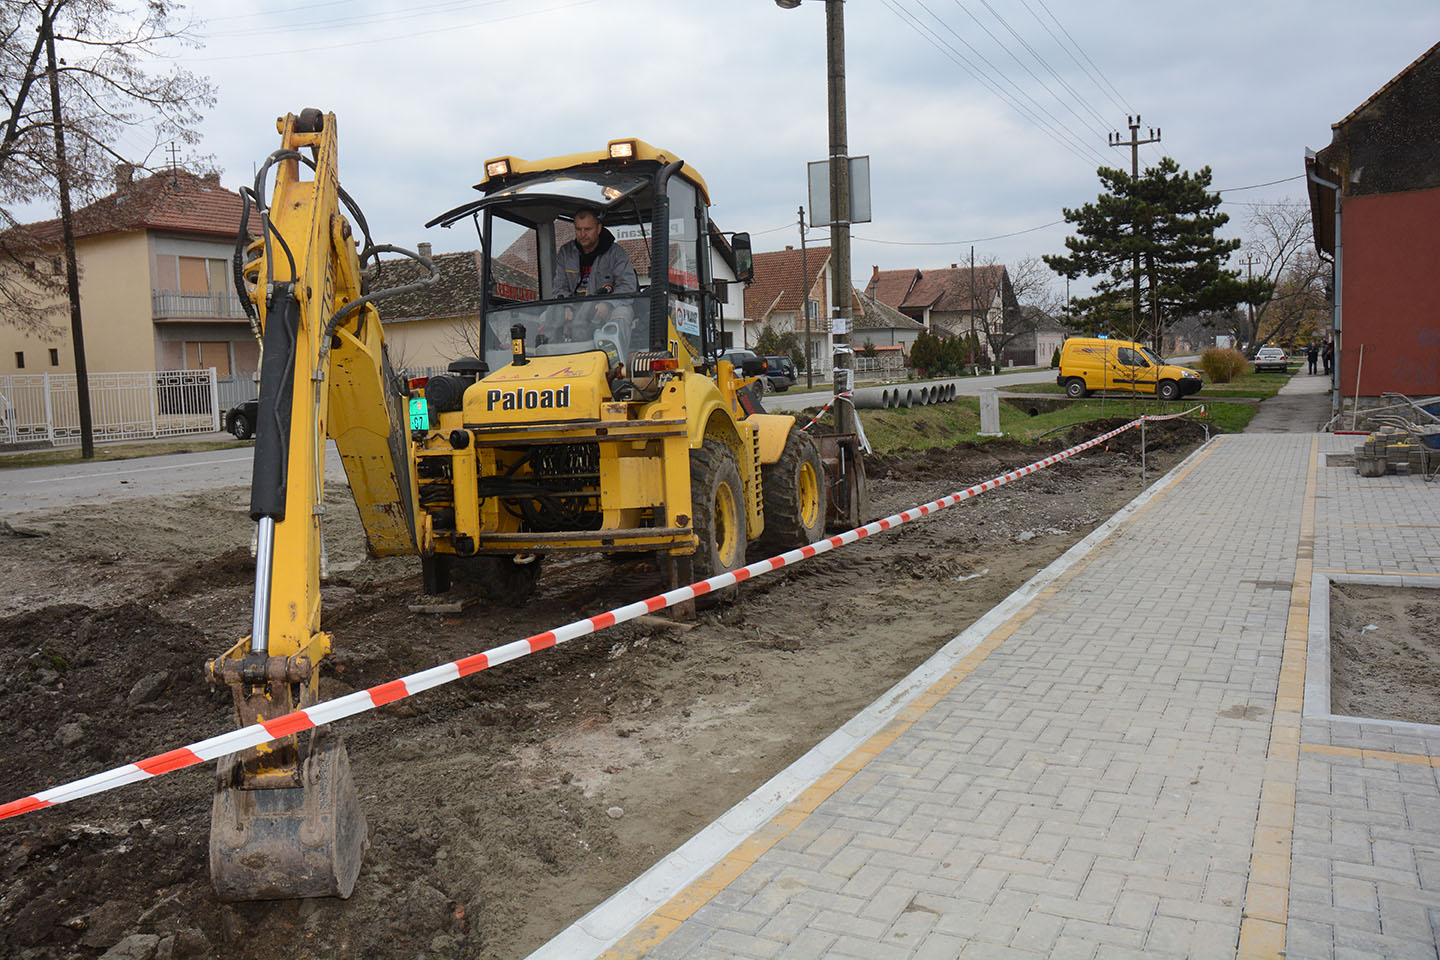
773,430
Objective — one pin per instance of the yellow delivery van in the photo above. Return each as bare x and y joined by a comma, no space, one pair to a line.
1099,363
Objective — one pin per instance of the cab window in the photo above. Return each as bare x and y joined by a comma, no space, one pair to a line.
1129,358
684,235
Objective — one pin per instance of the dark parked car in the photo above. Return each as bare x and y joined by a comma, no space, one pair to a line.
780,372
240,419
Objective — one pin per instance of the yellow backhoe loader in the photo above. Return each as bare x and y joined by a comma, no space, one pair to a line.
596,423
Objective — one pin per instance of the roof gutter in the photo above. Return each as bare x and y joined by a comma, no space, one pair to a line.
1339,276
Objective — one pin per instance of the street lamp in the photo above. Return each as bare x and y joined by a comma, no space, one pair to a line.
839,206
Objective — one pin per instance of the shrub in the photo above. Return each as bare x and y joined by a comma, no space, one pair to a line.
1223,365
1055,359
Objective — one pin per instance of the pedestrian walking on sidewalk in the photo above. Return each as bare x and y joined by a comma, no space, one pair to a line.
1312,353
1329,356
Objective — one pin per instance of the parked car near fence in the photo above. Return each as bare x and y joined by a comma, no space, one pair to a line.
780,372
240,419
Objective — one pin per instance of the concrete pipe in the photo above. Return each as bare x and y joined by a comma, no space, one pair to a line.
889,396
906,399
920,396
935,390
870,399
949,393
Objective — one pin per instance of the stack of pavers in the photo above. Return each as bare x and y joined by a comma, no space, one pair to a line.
1389,451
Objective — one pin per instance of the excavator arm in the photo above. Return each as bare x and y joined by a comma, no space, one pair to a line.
285,818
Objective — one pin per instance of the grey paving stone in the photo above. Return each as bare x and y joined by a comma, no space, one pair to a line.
1082,793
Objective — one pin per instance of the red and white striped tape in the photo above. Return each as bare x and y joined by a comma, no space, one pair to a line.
828,405
366,700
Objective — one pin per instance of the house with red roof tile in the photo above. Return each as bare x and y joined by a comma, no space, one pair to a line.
155,282
776,296
949,301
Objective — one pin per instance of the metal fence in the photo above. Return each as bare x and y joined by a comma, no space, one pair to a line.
233,391
43,408
225,305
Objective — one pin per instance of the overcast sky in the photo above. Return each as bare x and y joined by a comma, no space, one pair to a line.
425,93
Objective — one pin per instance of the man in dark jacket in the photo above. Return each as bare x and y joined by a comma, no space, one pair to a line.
593,264
1312,353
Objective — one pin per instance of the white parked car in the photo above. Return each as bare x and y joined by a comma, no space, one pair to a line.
1270,358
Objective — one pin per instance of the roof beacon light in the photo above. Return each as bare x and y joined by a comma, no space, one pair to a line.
497,168
622,150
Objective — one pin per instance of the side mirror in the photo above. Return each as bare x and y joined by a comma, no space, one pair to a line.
744,259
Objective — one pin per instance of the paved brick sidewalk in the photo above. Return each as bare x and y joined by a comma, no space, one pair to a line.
1119,768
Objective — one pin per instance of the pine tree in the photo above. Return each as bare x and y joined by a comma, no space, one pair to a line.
1168,218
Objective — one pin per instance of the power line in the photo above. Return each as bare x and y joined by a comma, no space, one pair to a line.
333,22
1117,99
278,10
959,59
448,28
1267,183
1083,69
1044,64
953,243
1036,103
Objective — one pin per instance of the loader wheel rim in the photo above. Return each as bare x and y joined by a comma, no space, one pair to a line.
726,525
808,494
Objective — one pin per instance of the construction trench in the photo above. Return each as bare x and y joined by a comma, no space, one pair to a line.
502,806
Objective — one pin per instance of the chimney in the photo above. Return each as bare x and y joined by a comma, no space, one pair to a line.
424,249
954,266
124,176
789,247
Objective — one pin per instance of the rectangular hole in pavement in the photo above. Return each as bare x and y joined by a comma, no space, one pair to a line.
1374,648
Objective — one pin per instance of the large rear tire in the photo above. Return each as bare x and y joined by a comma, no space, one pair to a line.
718,500
794,496
1075,389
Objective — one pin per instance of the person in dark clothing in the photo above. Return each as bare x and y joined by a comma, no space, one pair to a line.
1312,354
591,265
1329,356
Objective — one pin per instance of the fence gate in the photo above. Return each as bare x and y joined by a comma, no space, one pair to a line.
140,405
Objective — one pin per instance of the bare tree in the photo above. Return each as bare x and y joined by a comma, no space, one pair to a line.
106,91
1024,287
1279,250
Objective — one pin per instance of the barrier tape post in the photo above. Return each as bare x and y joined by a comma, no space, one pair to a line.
828,404
363,701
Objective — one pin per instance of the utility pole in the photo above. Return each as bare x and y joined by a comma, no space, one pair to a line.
1249,306
1135,143
839,211
969,347
72,270
805,302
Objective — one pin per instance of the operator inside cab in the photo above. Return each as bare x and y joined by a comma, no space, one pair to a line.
591,264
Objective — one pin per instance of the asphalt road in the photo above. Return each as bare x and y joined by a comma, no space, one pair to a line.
29,489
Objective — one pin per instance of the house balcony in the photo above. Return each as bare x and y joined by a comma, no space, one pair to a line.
166,305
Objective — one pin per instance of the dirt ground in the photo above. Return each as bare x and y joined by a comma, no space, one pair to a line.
501,807
1385,652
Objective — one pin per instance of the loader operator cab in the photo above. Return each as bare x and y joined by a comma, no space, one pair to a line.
653,206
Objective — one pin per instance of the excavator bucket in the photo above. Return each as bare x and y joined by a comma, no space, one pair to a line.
847,500
288,842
